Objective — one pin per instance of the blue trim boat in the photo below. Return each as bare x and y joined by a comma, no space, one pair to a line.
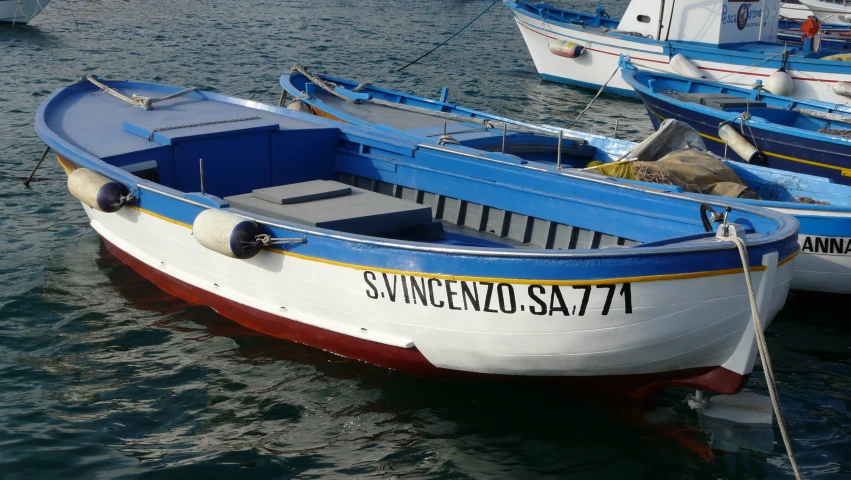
799,136
825,263
730,42
415,256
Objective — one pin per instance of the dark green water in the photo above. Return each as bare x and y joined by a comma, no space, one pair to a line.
104,376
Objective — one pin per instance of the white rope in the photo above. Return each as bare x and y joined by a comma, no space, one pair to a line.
324,85
750,66
137,100
763,353
662,70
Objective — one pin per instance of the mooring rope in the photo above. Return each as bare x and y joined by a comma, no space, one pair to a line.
450,38
328,86
763,353
595,97
137,100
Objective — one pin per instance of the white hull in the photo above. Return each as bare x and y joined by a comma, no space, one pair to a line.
675,324
600,60
20,11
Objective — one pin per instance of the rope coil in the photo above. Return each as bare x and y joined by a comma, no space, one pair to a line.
137,100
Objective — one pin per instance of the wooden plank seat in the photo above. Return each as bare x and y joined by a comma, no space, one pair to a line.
335,206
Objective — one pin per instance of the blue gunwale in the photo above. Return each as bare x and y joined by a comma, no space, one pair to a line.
369,253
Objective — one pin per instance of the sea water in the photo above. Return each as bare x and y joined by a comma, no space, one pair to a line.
102,375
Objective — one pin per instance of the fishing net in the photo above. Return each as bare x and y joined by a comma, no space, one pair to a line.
839,57
833,131
649,172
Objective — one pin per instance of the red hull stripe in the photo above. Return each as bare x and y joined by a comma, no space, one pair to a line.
410,360
805,79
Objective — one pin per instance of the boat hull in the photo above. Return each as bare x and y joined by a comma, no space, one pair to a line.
639,346
20,11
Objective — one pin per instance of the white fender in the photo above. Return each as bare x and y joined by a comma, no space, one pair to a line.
685,67
780,83
842,88
97,191
299,106
224,233
737,142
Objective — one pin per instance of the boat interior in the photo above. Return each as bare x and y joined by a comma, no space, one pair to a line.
280,166
314,176
473,134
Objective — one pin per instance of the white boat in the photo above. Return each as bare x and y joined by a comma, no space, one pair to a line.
832,11
726,41
429,259
20,11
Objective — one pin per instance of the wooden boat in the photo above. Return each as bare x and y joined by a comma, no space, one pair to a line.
730,42
795,135
414,256
20,11
823,266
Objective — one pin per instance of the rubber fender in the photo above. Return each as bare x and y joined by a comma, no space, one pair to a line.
226,233
842,88
563,48
97,191
780,83
738,143
299,106
683,66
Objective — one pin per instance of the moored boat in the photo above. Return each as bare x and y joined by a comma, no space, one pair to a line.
20,11
825,261
731,42
413,256
795,135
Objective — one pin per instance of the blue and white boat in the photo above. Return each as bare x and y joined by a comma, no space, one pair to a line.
823,266
798,136
415,256
724,40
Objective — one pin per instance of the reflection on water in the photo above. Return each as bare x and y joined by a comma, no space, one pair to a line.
104,375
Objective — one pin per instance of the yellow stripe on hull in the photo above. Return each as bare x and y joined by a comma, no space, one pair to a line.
70,166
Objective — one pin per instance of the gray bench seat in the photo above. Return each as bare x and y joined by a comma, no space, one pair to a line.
335,206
